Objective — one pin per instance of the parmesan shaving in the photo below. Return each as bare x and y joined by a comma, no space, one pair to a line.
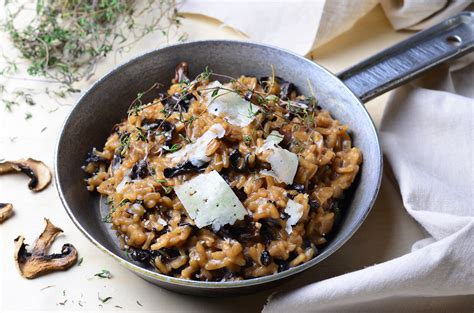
230,106
196,152
284,163
295,211
209,200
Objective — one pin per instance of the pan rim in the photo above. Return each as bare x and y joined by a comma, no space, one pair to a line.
153,275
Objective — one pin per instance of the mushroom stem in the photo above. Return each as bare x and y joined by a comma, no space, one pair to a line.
6,210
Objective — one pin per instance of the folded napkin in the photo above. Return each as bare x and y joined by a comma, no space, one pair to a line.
302,25
427,135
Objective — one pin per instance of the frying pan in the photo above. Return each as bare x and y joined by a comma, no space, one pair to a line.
107,101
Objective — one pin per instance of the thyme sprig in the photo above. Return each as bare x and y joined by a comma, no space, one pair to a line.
65,40
265,100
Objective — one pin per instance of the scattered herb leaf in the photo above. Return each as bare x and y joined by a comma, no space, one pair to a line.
173,148
104,274
103,300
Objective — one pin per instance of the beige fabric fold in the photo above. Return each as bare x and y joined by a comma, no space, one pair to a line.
427,135
302,25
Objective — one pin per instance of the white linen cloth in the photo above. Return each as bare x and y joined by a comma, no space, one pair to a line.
302,25
427,134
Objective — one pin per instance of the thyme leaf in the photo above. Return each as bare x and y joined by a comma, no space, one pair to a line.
173,148
104,274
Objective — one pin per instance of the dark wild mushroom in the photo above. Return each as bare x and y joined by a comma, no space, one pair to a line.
186,167
39,173
38,262
140,170
179,102
6,210
164,126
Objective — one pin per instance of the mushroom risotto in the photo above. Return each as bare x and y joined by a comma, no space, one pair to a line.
224,181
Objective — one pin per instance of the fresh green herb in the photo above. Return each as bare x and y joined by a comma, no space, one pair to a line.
139,97
118,306
138,302
215,92
80,261
9,105
124,201
167,189
11,67
28,115
112,208
104,274
43,129
62,303
64,293
247,139
250,112
103,300
173,148
124,144
261,100
270,98
206,74
137,104
66,39
142,134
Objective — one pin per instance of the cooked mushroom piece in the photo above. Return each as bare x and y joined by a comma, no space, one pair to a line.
39,173
6,210
186,167
238,162
181,73
164,126
37,262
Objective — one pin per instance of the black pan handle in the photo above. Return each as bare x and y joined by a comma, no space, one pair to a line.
410,58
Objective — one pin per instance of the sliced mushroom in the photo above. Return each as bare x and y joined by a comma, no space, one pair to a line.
39,173
37,262
6,210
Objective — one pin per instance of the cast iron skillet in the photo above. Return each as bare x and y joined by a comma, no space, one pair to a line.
107,101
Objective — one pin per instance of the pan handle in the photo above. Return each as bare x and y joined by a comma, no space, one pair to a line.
410,58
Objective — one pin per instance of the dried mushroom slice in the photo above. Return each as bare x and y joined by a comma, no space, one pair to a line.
6,210
39,173
37,262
